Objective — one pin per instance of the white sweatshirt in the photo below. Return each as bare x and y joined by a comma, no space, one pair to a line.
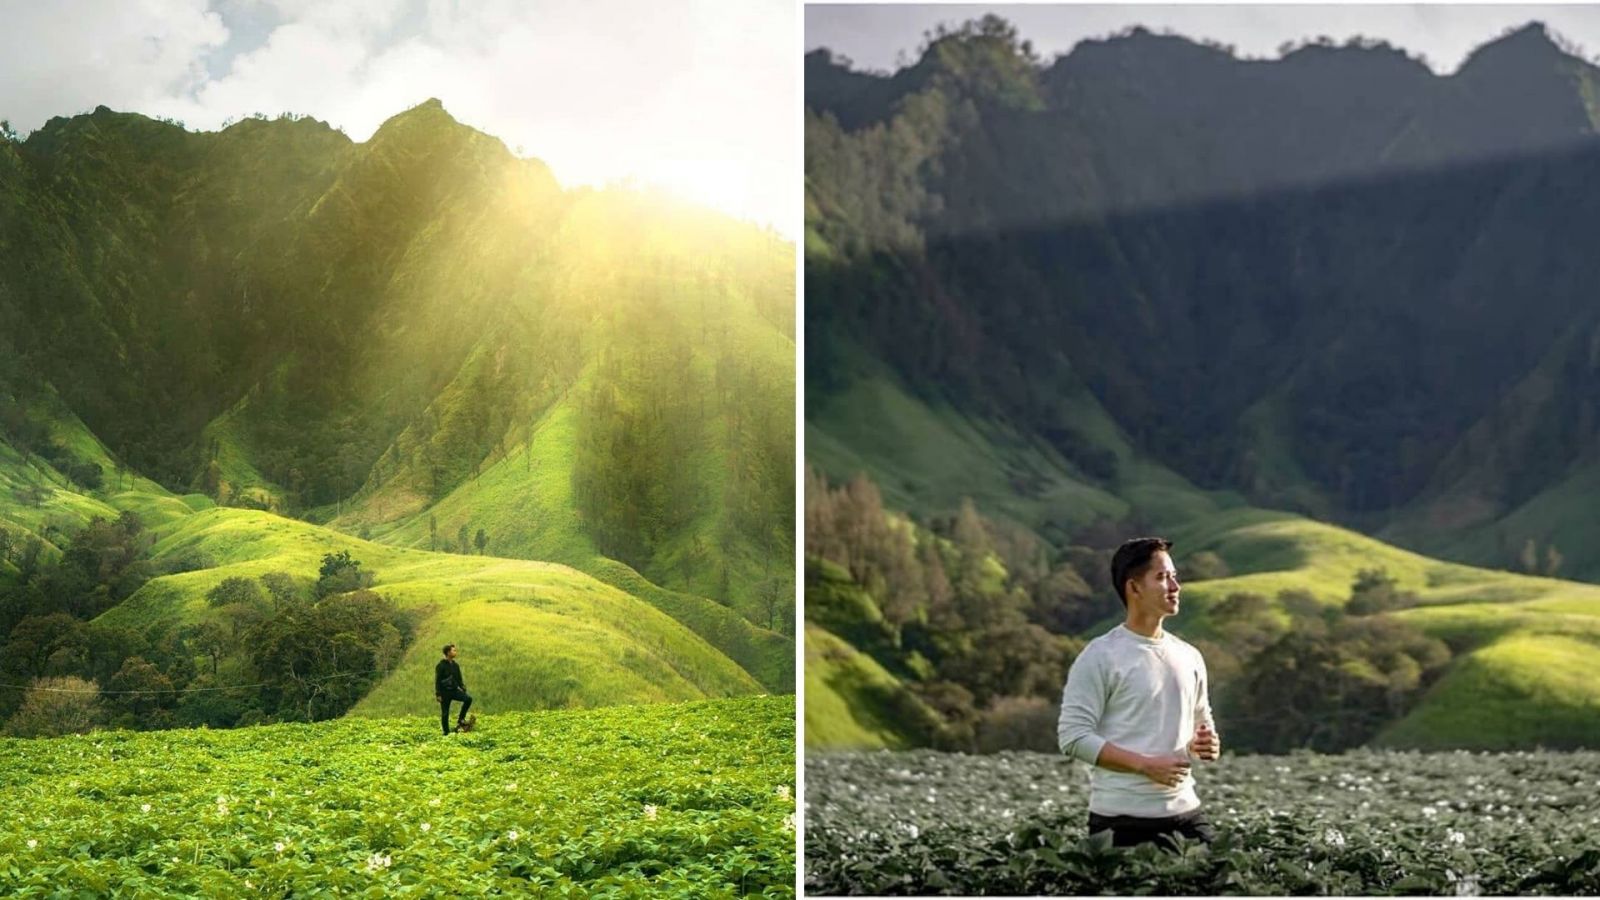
1142,694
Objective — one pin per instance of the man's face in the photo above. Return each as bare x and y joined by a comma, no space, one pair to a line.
452,653
1156,591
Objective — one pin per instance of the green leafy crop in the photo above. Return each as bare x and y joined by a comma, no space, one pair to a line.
693,799
1355,824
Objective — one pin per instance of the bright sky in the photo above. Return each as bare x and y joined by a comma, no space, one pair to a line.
699,97
884,37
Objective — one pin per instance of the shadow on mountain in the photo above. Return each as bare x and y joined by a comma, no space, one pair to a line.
1347,336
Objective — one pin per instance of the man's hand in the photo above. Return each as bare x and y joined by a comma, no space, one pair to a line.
1206,745
1168,769
437,698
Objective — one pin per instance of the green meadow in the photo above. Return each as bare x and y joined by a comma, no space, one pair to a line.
534,635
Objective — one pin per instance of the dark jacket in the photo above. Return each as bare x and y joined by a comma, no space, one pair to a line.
447,678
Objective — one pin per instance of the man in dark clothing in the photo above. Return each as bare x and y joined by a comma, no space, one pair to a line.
448,686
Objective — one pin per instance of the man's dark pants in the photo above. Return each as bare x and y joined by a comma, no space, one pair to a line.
444,708
1129,831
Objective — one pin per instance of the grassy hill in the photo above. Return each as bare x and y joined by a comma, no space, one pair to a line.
37,499
848,697
557,424
697,799
1520,642
523,501
926,456
532,634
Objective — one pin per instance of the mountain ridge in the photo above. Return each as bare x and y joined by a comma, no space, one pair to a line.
1285,310
277,318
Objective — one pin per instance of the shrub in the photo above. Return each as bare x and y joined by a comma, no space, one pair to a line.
56,706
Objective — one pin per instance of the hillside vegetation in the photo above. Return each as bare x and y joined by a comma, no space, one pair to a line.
281,414
1353,277
1313,318
1252,577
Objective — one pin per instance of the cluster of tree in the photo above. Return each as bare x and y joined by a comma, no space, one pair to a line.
975,616
678,425
957,607
274,648
1375,591
102,565
1530,560
1327,679
641,428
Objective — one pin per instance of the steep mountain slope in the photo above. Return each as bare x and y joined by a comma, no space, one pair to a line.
1150,287
1313,279
420,339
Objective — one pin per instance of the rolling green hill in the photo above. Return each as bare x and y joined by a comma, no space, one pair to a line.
535,635
1519,641
558,425
1312,317
542,633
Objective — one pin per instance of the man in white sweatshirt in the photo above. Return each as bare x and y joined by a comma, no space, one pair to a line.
1136,709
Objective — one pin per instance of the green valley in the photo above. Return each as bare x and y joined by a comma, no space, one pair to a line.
282,413
1310,317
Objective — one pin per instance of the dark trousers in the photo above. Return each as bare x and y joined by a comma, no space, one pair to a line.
1128,831
444,708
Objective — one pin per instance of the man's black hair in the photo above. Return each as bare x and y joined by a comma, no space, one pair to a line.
446,650
1131,560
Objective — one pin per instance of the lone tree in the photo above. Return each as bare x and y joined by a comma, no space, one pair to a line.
235,590
481,541
340,574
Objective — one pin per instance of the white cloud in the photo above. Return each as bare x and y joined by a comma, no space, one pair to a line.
697,96
65,58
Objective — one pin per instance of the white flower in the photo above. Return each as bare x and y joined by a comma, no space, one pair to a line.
1456,837
1333,838
783,792
33,844
434,802
913,831
145,808
511,835
788,822
649,811
277,847
426,827
511,787
1429,811
378,861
